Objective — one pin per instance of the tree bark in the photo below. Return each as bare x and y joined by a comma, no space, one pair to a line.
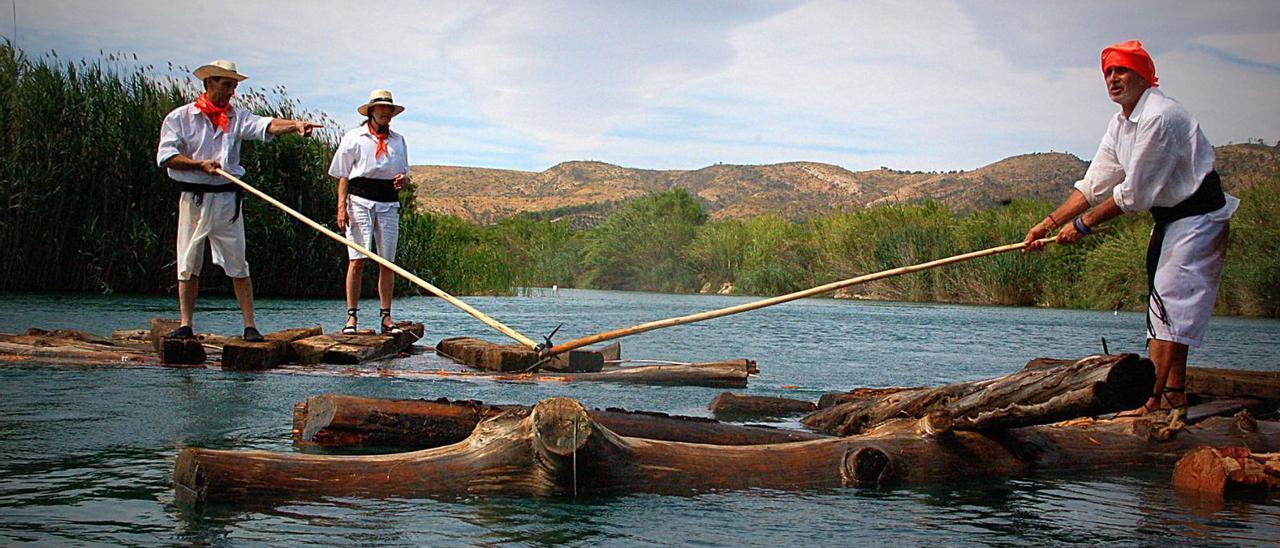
332,420
557,449
1214,471
1091,386
728,404
1210,381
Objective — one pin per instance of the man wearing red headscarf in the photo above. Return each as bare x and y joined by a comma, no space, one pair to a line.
1154,158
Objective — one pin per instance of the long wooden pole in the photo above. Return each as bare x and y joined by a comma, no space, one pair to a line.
681,320
405,273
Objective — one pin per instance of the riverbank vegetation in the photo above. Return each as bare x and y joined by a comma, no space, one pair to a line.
86,209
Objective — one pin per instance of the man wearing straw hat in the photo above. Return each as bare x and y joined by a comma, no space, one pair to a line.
372,165
196,140
1154,157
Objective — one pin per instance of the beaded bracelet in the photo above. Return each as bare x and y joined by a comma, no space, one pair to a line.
1082,228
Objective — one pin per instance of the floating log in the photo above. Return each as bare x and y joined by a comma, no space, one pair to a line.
69,347
1208,381
557,449
336,348
1214,471
173,350
332,420
728,404
857,394
489,356
1088,387
242,355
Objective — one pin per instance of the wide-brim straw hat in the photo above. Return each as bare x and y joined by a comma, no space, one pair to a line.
219,67
380,97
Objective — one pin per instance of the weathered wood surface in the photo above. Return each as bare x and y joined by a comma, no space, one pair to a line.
241,355
1215,471
70,347
728,404
332,420
172,350
490,356
336,348
1088,387
557,449
858,394
1209,381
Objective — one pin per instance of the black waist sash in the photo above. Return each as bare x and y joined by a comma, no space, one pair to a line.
378,190
1206,199
199,190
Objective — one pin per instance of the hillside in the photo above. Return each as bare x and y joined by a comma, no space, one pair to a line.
792,189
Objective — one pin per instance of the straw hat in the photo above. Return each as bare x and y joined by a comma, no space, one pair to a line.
380,97
220,67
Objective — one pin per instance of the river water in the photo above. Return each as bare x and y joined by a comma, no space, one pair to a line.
87,453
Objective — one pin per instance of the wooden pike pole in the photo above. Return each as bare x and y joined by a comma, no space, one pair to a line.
402,272
681,320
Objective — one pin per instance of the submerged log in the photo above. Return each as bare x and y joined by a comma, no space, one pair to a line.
242,355
336,348
728,404
489,356
1088,387
334,421
1214,471
557,449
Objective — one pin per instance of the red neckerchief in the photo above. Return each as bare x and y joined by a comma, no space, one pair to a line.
217,115
382,140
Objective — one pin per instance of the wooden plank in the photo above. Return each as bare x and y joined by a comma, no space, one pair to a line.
336,348
175,351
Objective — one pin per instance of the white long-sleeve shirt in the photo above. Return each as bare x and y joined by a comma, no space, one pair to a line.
1156,157
188,132
356,157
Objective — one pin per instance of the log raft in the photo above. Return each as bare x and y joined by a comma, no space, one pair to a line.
581,365
338,421
1087,387
557,449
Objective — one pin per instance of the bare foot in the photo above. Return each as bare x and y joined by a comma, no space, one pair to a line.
1147,408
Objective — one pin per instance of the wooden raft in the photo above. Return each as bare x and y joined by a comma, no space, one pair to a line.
495,357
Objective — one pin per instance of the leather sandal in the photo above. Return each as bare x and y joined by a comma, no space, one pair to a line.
392,329
251,334
351,315
182,332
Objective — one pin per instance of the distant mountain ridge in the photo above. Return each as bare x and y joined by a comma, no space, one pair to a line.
792,189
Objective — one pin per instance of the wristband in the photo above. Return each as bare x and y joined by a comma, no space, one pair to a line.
1082,228
1052,221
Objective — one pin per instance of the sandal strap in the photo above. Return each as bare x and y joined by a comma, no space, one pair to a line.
385,312
1174,389
352,312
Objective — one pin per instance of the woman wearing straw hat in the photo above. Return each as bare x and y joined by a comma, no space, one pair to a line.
372,165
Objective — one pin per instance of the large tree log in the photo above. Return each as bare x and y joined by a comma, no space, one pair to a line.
490,356
1208,381
332,420
558,449
67,347
1091,386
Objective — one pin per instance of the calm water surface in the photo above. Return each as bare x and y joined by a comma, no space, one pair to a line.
87,453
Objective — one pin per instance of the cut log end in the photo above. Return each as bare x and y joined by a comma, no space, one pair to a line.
1201,471
869,467
189,482
562,425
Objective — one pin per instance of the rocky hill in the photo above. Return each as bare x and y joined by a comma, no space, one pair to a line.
792,189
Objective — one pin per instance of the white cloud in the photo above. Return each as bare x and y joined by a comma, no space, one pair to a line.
937,85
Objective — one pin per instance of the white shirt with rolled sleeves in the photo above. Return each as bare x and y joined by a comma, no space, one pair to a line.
188,132
356,156
1157,157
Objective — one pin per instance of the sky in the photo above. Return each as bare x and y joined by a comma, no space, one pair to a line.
911,85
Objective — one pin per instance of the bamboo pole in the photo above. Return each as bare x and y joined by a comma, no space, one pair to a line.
384,262
681,320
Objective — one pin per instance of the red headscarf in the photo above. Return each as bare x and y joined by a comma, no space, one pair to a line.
1130,55
217,114
382,139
